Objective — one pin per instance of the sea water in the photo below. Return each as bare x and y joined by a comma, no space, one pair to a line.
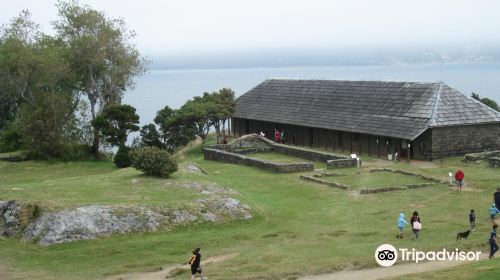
172,87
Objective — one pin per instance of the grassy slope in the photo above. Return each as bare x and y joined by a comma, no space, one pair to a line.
299,228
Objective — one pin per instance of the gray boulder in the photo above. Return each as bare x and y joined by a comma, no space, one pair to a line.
10,218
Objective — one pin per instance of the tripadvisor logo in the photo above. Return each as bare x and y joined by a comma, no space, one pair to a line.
387,255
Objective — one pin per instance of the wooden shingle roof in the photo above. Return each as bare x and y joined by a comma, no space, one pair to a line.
394,109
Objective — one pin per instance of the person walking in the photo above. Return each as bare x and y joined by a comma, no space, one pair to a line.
459,178
493,212
472,219
195,262
282,137
493,243
496,198
277,136
401,224
415,225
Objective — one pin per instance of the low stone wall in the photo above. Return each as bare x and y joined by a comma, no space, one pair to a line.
342,163
229,157
304,153
319,175
323,182
398,188
315,178
494,161
404,172
481,156
253,143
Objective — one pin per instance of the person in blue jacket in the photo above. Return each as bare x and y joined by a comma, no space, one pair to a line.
493,212
493,243
401,224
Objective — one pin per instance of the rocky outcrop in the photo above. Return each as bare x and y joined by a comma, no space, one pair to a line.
204,188
191,168
90,222
13,157
226,207
10,218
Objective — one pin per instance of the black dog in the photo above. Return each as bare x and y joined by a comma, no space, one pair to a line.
464,234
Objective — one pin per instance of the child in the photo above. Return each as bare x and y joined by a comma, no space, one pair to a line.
401,224
493,243
416,230
195,262
472,219
493,212
277,136
459,177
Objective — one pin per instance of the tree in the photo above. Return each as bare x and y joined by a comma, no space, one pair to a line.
174,131
225,103
101,55
116,122
35,86
486,101
151,137
199,113
42,124
30,62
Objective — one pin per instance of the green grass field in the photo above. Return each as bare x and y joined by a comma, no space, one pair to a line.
299,228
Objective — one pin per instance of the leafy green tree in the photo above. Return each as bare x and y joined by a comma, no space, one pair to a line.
486,101
101,54
122,157
35,86
174,131
42,122
30,63
116,122
199,113
150,136
225,104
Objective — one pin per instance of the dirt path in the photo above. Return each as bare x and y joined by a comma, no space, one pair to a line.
393,271
166,270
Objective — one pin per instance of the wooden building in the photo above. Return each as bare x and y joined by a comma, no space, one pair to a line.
376,118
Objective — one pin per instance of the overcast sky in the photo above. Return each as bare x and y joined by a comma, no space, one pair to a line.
193,26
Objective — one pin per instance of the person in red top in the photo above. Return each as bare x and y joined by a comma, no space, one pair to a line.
277,136
459,177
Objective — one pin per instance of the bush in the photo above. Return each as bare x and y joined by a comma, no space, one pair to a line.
153,161
10,140
74,151
122,157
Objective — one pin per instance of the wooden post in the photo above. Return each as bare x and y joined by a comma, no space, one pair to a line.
378,149
408,153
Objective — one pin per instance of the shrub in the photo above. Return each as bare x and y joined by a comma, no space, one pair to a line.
10,140
153,161
122,157
74,151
